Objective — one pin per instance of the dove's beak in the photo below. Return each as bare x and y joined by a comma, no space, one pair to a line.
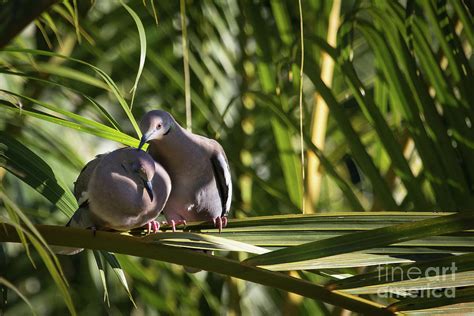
149,189
145,138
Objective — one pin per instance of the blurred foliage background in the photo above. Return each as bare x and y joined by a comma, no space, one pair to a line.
396,77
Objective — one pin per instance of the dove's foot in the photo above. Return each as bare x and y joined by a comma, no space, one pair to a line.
174,223
94,230
220,222
153,227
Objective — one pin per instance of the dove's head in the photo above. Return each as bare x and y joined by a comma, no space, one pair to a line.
156,125
140,166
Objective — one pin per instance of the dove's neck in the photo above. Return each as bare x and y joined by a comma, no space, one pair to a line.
178,150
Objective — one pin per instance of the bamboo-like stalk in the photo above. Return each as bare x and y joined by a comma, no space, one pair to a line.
303,204
187,82
117,243
291,305
320,115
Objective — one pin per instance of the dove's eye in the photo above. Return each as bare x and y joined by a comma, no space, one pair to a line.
134,166
159,126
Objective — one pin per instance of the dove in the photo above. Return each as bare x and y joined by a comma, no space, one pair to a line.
198,168
120,190
82,181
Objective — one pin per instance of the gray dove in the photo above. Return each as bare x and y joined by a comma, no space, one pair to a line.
197,166
82,181
121,190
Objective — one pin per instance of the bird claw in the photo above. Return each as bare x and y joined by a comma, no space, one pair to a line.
174,223
153,227
94,230
220,222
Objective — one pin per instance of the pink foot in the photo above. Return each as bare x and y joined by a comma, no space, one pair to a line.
173,223
220,222
153,226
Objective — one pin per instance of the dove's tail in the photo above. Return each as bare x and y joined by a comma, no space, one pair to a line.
81,218
59,250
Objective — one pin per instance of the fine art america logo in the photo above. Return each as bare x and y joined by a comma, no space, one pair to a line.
416,282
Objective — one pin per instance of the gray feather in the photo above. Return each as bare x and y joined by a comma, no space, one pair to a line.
116,195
